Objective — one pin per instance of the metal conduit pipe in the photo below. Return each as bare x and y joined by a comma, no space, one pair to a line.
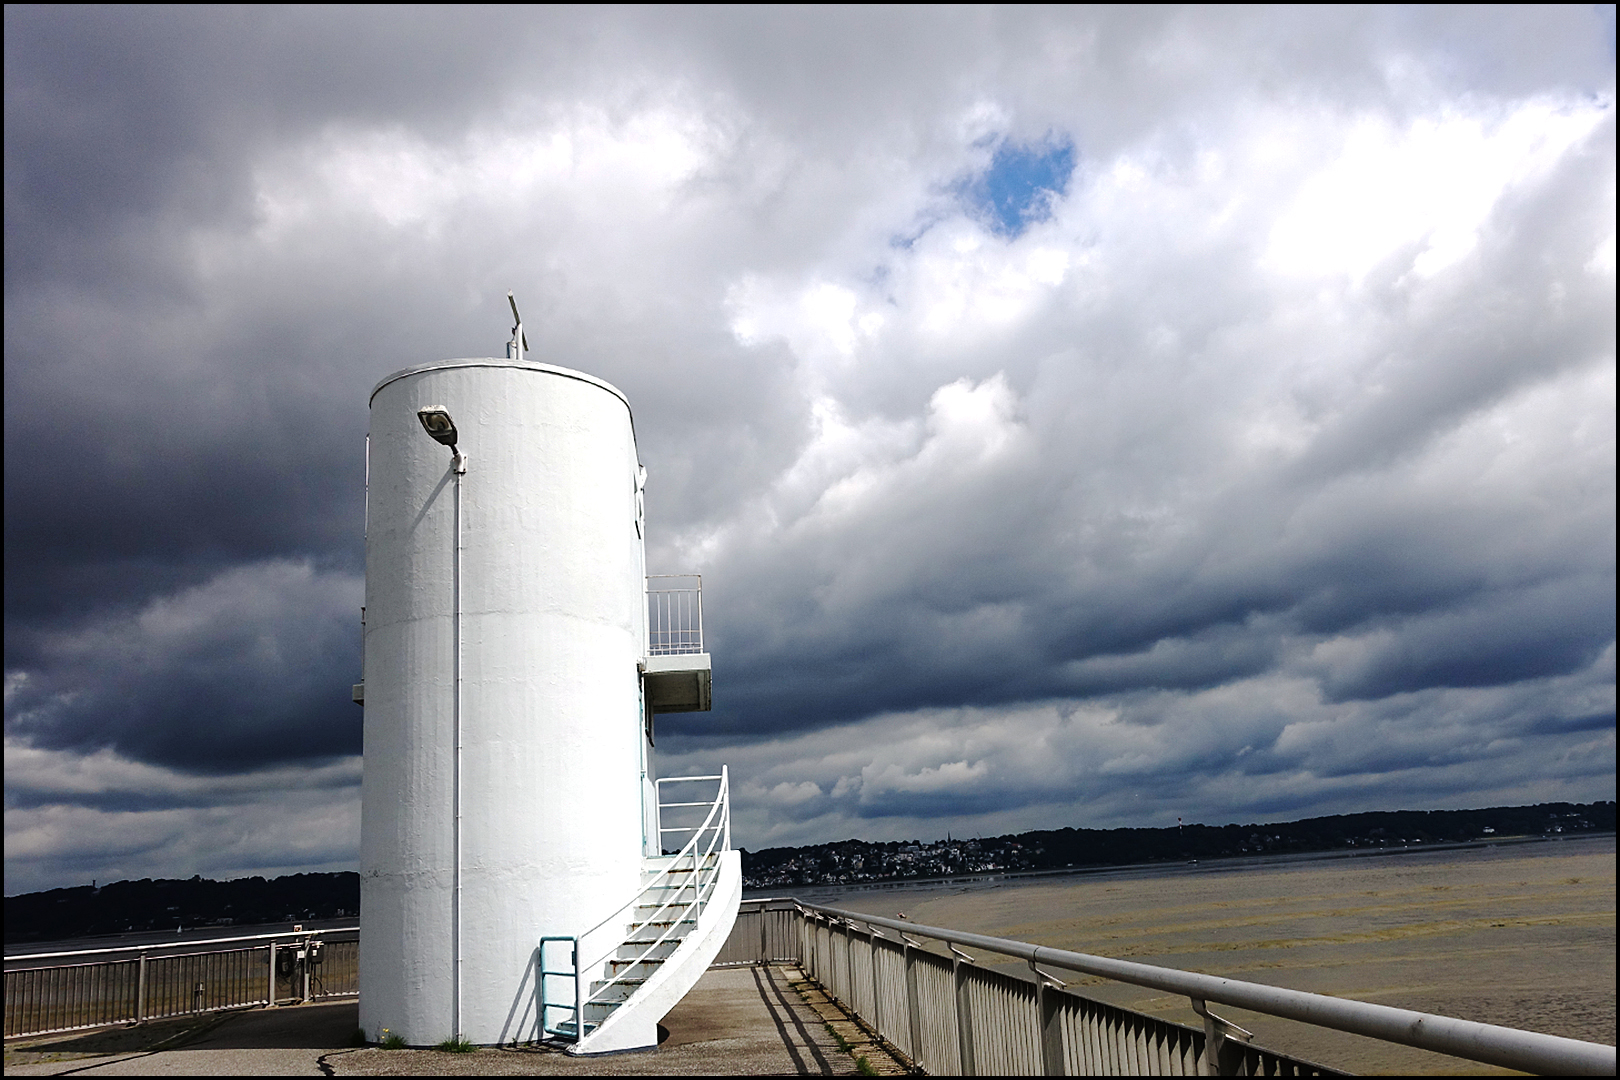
458,465
1529,1051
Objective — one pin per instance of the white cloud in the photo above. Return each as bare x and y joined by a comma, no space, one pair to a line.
1430,186
105,816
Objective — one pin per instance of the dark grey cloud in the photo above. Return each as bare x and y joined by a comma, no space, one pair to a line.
1276,442
231,675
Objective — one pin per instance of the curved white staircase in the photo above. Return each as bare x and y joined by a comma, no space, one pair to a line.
640,962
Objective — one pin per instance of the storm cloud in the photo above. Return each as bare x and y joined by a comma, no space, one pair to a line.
1078,417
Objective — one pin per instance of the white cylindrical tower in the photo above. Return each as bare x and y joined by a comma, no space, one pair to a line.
549,608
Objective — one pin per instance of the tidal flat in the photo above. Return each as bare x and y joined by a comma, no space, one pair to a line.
1521,935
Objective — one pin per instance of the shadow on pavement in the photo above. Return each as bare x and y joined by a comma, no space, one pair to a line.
327,1026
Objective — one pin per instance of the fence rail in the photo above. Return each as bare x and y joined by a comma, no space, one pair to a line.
154,982
917,988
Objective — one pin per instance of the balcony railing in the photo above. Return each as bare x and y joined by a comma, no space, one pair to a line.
674,614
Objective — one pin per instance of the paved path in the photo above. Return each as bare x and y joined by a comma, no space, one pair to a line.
736,1021
256,1042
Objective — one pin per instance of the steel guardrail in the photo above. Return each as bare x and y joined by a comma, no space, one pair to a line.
1512,1048
175,978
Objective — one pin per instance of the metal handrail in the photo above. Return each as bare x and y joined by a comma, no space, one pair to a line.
542,973
1529,1051
21,957
689,850
721,805
703,887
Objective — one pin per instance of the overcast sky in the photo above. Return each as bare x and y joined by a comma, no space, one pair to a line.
1079,417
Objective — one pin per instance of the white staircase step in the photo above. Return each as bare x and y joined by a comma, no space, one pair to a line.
633,968
656,913
606,993
654,963
667,905
685,868
680,928
646,913
637,947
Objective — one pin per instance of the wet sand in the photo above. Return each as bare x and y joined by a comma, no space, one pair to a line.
1519,935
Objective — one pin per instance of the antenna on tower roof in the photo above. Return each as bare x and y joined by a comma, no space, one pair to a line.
520,342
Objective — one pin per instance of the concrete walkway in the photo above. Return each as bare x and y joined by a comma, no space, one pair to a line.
735,1021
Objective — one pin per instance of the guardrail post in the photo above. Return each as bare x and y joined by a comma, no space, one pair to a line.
1217,1061
849,964
140,991
809,941
1048,1013
270,995
913,1015
872,956
1213,1038
960,965
579,994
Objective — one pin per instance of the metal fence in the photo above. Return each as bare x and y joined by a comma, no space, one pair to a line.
917,988
952,1017
674,615
48,993
766,932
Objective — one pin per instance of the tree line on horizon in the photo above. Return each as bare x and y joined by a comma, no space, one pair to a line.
851,861
160,904
165,904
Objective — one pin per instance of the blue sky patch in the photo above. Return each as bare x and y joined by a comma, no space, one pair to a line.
1018,188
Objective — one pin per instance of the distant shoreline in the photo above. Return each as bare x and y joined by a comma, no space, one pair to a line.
166,911
1163,867
855,862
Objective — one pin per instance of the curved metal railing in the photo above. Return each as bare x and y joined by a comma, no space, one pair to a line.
701,859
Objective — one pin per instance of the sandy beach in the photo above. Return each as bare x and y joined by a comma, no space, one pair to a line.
1521,935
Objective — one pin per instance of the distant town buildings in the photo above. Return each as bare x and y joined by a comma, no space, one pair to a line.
855,862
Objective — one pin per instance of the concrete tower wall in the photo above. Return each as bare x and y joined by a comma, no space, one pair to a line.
552,626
